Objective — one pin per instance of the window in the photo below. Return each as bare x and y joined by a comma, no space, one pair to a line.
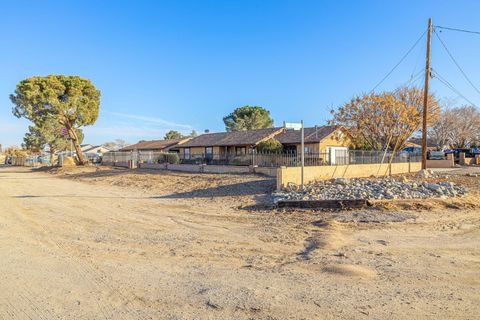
186,153
209,152
240,151
308,150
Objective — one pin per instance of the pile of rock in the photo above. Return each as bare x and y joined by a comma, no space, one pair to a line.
384,188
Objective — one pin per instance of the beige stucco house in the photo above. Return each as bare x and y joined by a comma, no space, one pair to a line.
320,139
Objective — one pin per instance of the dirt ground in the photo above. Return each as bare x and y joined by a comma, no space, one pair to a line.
118,244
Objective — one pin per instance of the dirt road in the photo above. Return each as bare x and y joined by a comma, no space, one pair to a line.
80,250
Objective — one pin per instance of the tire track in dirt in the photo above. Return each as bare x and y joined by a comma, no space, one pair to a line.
90,275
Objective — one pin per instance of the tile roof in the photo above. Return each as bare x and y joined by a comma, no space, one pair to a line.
312,135
234,138
152,145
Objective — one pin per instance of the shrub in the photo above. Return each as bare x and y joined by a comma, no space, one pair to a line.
171,158
270,146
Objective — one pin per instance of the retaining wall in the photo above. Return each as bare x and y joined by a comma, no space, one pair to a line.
447,163
116,164
272,172
313,173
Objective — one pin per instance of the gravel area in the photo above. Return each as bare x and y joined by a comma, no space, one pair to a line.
370,189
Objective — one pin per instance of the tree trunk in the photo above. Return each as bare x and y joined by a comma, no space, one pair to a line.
76,145
52,153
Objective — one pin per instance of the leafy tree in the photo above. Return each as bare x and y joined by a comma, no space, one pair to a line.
173,134
248,118
48,134
385,119
33,140
193,134
270,146
72,101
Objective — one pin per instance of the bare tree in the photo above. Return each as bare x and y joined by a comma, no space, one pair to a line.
466,128
384,120
457,127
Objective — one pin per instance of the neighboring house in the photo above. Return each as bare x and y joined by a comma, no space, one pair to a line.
226,143
96,150
84,147
416,142
156,145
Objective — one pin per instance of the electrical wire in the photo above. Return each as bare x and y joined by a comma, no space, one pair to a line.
450,86
399,62
459,30
456,63
415,78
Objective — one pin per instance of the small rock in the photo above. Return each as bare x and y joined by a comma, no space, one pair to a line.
339,254
341,181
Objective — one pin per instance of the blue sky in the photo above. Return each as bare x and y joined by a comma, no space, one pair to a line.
183,65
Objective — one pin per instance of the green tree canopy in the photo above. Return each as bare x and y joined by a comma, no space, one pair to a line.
270,146
71,101
193,134
248,118
173,134
48,134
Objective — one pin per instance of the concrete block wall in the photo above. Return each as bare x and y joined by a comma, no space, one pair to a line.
195,168
116,164
447,163
313,173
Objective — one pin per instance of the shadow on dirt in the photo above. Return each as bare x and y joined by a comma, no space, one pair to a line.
251,188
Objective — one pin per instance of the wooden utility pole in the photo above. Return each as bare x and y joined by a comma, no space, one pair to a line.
425,98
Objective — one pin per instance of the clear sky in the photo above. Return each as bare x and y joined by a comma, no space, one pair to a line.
183,65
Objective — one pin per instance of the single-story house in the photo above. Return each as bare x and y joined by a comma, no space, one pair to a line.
417,143
320,139
171,145
226,143
96,150
84,147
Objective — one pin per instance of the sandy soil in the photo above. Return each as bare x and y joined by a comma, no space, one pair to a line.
114,244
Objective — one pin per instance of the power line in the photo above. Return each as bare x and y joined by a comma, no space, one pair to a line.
399,62
459,30
456,63
450,86
415,78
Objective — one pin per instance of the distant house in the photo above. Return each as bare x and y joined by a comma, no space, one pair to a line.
96,150
416,142
223,143
84,147
156,145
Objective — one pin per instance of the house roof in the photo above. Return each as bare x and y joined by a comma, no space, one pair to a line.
95,148
417,142
312,135
234,138
152,145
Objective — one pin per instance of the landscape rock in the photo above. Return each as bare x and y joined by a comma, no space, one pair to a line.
370,189
342,181
425,173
